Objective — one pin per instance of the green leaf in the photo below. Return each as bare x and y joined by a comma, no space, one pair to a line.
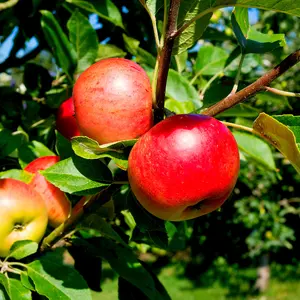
14,288
187,12
17,174
84,39
55,280
179,107
210,60
21,249
256,149
32,150
144,220
250,40
278,102
131,44
281,136
105,9
90,149
26,281
200,11
10,141
56,96
181,60
63,146
241,110
141,55
152,6
109,51
178,235
62,50
79,176
3,294
179,88
125,263
293,123
105,229
128,291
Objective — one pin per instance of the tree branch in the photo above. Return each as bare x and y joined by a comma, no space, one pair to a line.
79,209
165,59
257,86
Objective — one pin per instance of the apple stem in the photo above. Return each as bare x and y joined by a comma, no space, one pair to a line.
259,85
238,76
164,60
79,209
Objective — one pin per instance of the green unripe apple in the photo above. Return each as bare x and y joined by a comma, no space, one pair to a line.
23,214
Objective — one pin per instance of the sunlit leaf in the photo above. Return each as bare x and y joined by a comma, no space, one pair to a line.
84,39
281,136
251,40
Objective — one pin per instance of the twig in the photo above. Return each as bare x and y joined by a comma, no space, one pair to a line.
238,76
164,24
257,86
245,128
240,127
77,212
154,26
165,59
212,79
282,93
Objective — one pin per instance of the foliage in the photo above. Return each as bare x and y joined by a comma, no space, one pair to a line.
217,51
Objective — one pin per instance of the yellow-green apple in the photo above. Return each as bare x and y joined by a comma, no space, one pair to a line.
184,167
23,214
113,101
58,205
66,123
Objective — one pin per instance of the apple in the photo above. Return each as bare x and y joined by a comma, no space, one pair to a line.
23,214
58,205
113,101
66,123
184,167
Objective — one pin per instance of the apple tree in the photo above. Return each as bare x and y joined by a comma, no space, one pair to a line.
125,121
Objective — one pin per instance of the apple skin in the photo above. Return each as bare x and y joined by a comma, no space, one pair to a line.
23,214
113,101
58,205
184,167
66,123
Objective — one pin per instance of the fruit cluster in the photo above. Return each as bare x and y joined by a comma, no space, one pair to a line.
181,168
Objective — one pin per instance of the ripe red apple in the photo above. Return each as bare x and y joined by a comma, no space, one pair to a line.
184,167
58,205
113,101
66,123
23,214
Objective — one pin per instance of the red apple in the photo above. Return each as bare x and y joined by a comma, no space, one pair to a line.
23,214
58,205
184,167
113,101
66,123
